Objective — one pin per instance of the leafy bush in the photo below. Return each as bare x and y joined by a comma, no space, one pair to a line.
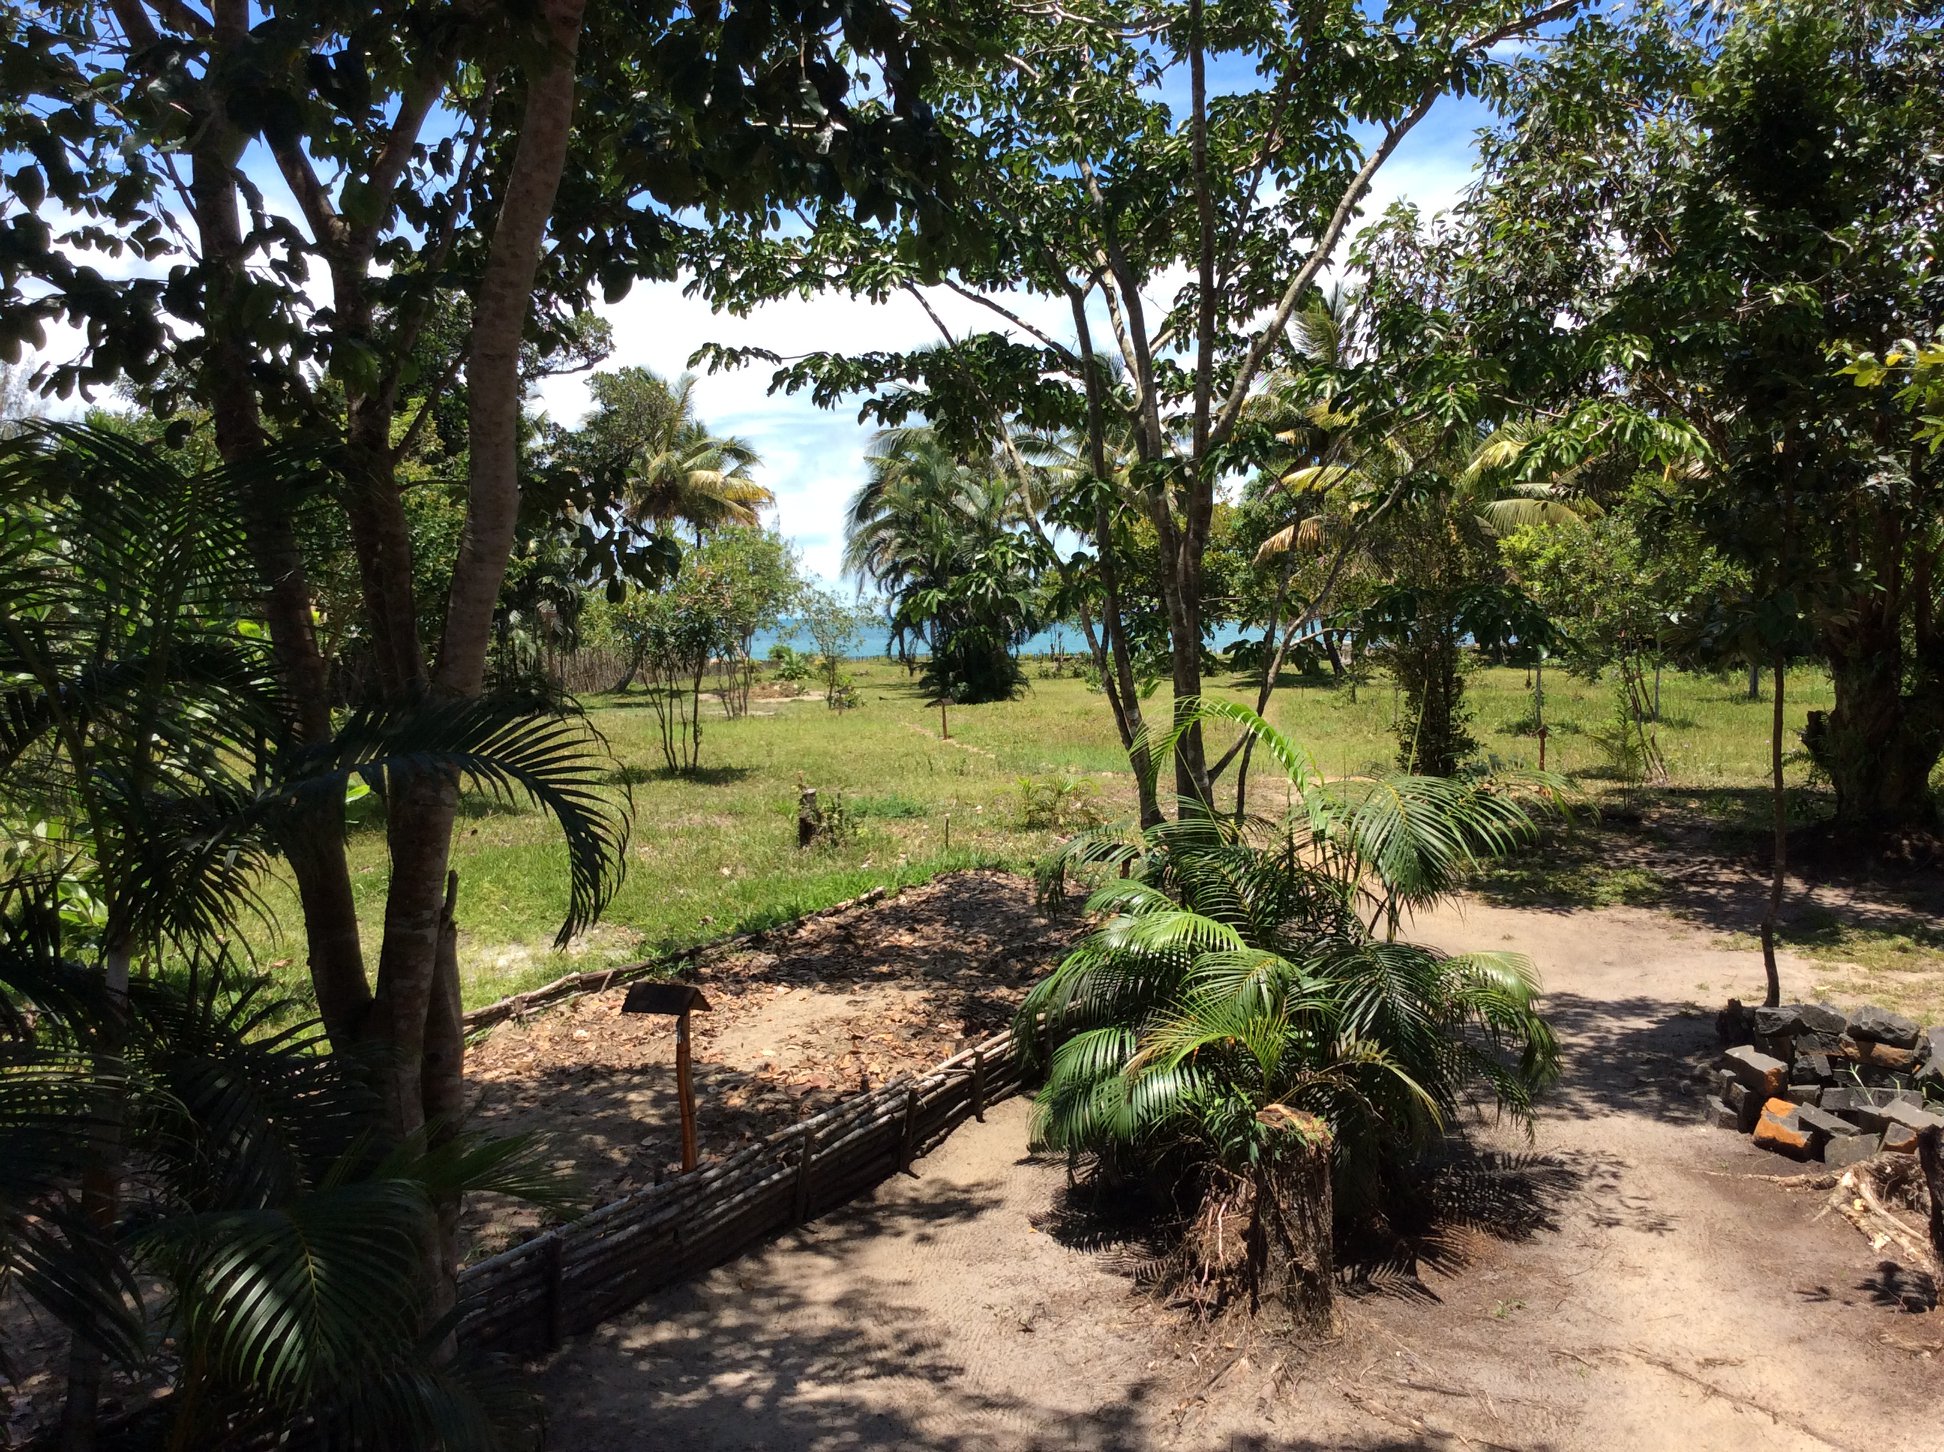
792,665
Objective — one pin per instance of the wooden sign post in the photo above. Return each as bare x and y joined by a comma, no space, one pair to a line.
678,1000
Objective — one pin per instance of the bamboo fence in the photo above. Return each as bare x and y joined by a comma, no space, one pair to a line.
524,1301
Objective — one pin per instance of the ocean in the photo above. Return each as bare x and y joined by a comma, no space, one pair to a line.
1054,640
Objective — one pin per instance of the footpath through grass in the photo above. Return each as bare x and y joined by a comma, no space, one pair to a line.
716,853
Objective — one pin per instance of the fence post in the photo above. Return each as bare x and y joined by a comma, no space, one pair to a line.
978,1085
907,1150
556,1312
806,1156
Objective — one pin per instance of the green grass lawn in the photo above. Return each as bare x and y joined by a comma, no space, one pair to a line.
716,853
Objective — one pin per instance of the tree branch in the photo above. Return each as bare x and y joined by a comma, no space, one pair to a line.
1348,203
972,295
1205,226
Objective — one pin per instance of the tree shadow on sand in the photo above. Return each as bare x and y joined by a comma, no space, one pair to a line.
814,1358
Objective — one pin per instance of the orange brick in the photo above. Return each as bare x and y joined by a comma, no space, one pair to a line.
1777,1130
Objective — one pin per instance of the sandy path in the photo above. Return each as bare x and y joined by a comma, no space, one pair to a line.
1633,1290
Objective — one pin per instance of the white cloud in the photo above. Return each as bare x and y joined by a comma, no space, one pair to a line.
814,458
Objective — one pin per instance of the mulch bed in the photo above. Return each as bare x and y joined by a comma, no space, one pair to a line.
824,1009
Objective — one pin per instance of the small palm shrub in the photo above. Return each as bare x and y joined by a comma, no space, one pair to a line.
1058,801
267,1265
1246,1026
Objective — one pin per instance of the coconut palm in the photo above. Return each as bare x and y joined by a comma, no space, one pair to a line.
698,479
1247,997
947,539
675,470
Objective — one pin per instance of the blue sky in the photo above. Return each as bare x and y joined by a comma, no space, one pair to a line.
812,457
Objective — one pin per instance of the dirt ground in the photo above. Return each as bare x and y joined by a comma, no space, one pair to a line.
821,1010
1628,1280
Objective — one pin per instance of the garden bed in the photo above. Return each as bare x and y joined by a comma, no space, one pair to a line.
815,1012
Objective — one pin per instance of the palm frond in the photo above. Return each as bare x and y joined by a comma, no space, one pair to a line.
507,748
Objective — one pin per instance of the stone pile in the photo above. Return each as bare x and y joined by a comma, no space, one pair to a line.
1813,1083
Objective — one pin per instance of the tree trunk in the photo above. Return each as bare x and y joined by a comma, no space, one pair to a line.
1882,741
627,679
1292,1263
1930,1159
1778,869
500,313
444,1106
1182,575
418,982
315,847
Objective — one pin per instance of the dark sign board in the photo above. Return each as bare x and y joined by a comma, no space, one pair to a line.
668,998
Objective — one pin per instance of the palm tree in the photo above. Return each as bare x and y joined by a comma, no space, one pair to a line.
1246,1020
287,1240
700,480
138,711
948,540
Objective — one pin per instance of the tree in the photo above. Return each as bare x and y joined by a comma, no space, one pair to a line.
431,159
1087,182
760,571
1246,1008
948,540
834,626
142,717
1707,217
644,445
732,585
687,475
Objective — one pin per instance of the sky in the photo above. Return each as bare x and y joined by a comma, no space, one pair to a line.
813,458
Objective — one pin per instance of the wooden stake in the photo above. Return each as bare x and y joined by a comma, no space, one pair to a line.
908,1145
806,1157
978,1085
685,1087
944,722
556,1312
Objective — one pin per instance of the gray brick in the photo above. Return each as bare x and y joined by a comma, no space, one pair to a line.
1884,1027
1844,1150
1758,1072
1823,1122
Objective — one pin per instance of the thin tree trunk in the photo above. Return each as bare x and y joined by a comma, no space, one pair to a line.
444,1104
100,1187
315,846
500,312
1122,691
1778,870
